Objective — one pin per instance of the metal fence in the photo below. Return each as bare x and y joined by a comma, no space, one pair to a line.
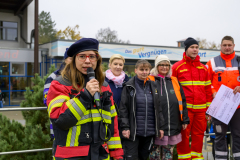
49,149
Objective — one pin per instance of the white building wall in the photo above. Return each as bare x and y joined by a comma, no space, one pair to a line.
30,19
28,25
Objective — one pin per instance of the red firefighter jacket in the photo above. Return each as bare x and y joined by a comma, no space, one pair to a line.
76,120
195,81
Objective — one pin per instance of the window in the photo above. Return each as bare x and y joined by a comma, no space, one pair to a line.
4,83
4,68
8,31
17,69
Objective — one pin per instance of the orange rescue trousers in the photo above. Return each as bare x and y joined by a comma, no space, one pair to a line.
196,128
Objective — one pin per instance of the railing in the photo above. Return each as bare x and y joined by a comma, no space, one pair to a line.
24,109
49,149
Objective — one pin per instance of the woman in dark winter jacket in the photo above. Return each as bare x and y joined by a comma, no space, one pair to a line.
141,119
173,104
115,76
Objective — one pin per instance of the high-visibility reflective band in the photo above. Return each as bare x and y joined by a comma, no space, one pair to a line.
105,114
73,135
76,107
236,154
113,111
196,154
198,158
221,153
224,68
108,158
54,158
208,104
187,83
57,102
94,115
184,156
207,82
180,65
200,106
114,142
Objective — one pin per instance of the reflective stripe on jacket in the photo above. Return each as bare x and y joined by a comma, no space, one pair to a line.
196,83
223,69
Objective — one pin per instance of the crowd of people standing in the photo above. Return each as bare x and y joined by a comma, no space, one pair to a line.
97,115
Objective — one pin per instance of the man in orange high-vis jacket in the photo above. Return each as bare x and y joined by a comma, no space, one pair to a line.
196,85
223,69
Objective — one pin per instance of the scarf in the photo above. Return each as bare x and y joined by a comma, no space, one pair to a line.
117,80
161,79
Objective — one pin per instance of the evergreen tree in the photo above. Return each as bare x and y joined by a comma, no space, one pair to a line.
46,26
104,66
35,134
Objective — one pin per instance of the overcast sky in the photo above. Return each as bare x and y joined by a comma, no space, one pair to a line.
150,22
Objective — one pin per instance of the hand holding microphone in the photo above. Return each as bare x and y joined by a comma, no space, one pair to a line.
93,86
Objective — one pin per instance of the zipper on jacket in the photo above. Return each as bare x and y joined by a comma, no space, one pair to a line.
134,112
168,108
156,127
146,111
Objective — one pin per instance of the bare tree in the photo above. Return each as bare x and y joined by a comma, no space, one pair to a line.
204,44
109,36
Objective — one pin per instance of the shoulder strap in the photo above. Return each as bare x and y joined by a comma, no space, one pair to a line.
152,78
176,88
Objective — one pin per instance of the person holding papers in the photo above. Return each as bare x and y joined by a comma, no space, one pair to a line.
223,69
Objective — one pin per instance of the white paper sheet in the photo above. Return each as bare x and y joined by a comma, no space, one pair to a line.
224,104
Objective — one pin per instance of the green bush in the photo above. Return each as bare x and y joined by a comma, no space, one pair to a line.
35,134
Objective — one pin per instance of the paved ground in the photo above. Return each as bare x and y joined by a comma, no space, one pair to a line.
16,115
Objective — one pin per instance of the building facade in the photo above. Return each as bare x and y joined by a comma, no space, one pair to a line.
16,49
131,53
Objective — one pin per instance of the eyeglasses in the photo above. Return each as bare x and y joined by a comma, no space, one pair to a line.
164,65
83,57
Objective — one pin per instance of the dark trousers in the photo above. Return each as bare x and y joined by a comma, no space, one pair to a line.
220,129
138,149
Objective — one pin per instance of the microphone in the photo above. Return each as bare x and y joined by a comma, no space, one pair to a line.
91,75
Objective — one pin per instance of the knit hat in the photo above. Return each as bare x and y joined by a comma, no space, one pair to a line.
189,41
84,44
65,54
158,59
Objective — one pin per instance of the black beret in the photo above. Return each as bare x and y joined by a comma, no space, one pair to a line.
188,42
84,44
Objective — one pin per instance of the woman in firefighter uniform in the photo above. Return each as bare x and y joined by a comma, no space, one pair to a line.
83,130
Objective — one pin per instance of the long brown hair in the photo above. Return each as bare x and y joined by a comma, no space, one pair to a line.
71,73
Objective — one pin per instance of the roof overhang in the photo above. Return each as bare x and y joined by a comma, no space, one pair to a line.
14,6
